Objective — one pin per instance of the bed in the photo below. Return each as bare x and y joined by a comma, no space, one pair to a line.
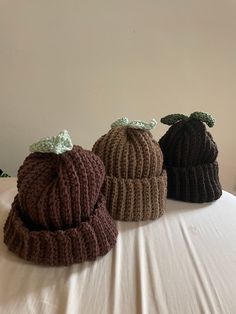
185,262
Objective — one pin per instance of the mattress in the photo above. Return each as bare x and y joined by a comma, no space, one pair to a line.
184,262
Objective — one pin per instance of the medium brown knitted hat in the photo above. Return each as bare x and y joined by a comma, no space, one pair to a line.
59,216
135,184
190,158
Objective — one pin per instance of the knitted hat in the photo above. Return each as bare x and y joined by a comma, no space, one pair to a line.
59,216
190,158
135,184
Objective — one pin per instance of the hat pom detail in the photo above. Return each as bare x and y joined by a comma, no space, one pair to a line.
55,144
201,116
173,118
204,117
135,124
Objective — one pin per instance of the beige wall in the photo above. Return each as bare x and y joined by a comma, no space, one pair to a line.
80,65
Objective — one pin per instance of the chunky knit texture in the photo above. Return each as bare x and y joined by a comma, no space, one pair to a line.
59,216
135,184
190,160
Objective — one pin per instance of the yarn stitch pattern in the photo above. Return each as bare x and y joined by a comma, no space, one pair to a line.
135,186
59,216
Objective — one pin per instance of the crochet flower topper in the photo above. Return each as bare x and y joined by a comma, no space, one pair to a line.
201,116
136,124
55,144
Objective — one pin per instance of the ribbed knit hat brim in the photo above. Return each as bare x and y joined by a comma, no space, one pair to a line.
136,199
92,238
197,184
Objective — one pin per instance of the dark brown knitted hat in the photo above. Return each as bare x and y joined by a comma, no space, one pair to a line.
59,216
135,184
190,158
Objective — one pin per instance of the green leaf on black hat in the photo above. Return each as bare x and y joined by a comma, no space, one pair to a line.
204,117
173,118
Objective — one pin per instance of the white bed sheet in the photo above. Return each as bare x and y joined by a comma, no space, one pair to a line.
185,262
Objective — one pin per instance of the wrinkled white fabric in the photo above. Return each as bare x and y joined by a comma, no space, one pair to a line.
185,262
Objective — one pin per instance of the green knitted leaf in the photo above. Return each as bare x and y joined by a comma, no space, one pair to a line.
55,144
3,174
201,116
173,118
120,122
136,124
204,117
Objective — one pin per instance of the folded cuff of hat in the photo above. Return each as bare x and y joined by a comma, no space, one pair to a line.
92,238
136,199
196,184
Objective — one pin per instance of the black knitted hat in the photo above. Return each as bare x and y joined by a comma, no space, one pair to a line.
190,158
